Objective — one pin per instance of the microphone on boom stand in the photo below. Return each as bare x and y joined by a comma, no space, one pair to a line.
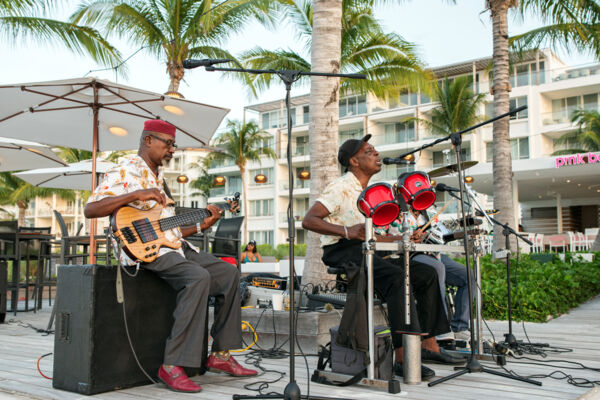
399,160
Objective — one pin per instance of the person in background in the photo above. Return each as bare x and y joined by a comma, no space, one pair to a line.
250,254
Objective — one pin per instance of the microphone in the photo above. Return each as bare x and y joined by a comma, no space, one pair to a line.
442,187
206,62
400,160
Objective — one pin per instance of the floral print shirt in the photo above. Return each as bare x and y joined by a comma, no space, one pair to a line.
339,198
132,174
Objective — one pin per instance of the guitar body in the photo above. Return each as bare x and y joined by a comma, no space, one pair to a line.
140,233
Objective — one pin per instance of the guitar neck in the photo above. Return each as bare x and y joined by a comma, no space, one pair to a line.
189,218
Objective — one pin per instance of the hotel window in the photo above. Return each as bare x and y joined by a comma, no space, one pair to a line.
350,134
261,237
234,184
400,132
305,114
514,103
267,142
353,105
440,159
271,119
563,109
292,113
268,172
261,208
301,146
519,149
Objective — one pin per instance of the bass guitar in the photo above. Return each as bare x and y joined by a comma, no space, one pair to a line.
141,233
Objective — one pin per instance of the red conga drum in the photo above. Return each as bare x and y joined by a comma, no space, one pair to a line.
378,202
416,190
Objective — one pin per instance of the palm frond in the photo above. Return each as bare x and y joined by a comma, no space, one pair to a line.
77,38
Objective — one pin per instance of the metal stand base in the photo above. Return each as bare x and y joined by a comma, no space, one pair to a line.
392,386
474,366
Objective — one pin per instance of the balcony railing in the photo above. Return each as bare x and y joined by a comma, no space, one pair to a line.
565,73
556,117
298,216
298,184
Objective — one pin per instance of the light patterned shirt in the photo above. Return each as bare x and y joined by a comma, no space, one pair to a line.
130,175
339,198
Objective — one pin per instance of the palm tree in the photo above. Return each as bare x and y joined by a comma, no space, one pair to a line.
21,19
458,107
586,137
205,181
242,142
570,24
173,29
17,192
71,155
389,61
326,29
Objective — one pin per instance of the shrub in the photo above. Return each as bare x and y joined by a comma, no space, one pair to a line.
539,289
265,250
283,250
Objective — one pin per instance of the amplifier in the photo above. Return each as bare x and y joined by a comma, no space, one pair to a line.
91,350
269,283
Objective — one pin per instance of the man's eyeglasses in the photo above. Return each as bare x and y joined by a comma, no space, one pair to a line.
168,142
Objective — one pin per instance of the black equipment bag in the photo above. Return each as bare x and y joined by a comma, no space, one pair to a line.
344,360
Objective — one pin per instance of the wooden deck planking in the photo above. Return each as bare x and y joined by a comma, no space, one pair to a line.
20,348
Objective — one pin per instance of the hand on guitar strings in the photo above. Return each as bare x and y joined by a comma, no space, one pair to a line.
215,214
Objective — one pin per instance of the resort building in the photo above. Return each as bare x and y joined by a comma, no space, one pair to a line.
552,194
547,199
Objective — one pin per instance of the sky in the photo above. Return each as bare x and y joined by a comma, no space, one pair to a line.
444,33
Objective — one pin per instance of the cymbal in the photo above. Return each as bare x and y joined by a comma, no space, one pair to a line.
448,169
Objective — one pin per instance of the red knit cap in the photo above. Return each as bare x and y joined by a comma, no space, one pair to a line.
159,126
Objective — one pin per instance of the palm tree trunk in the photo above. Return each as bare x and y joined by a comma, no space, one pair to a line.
245,202
22,205
502,167
176,73
324,118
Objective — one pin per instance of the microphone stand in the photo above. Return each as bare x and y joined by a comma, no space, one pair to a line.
473,365
288,77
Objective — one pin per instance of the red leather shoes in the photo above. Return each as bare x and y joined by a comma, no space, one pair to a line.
177,380
231,367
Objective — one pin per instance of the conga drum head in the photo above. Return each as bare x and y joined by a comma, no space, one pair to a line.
416,190
378,202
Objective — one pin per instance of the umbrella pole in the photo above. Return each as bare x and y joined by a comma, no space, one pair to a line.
94,221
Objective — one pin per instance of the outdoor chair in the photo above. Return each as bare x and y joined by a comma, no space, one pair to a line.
590,236
39,252
226,242
539,242
556,242
575,243
69,245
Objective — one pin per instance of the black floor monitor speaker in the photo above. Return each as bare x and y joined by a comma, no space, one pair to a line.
91,350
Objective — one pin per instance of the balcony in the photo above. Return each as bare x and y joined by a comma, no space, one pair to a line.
297,150
298,217
566,73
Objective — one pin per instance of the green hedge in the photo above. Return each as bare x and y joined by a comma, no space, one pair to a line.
282,251
543,290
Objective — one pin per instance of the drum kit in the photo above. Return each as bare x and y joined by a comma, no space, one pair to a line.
381,204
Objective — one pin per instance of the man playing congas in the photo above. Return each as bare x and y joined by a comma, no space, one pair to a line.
335,215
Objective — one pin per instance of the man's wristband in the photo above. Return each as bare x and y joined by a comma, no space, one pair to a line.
346,231
198,228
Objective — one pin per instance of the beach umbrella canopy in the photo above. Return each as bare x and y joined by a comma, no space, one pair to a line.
65,113
76,176
17,155
99,115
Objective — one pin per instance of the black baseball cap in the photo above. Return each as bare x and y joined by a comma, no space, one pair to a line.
349,148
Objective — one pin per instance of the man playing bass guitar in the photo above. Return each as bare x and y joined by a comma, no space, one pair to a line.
138,182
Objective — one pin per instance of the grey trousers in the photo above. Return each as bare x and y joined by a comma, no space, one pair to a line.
195,277
453,274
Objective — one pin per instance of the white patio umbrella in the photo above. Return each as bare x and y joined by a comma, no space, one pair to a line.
99,115
75,176
16,155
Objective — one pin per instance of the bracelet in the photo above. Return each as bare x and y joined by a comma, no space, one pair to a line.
198,228
346,230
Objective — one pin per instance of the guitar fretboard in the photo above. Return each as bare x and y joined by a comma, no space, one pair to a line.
189,218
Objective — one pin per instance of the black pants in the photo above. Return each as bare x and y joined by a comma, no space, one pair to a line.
389,283
197,276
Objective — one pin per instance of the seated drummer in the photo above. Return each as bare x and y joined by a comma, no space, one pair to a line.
336,217
449,272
